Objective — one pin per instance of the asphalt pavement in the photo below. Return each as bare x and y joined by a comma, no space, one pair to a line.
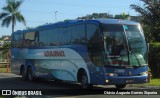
9,81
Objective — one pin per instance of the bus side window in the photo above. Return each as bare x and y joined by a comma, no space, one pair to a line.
78,34
30,39
53,36
64,36
17,38
91,30
43,39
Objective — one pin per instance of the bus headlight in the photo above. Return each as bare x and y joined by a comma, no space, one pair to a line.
107,81
111,74
144,73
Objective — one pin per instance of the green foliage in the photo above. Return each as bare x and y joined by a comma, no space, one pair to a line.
6,47
150,17
154,58
122,16
105,15
147,32
155,82
11,14
96,15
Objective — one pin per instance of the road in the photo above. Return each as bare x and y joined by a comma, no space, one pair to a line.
62,89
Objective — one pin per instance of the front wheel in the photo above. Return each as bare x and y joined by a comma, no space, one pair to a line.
84,82
121,86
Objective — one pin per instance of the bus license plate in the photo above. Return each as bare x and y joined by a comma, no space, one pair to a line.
129,81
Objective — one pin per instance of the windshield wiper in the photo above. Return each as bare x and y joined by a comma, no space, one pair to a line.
136,59
130,52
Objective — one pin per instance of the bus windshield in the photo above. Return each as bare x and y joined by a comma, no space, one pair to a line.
124,45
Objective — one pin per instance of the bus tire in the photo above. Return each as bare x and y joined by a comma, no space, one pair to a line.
30,74
23,73
120,86
84,81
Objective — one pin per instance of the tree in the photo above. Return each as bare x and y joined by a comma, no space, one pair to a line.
122,16
11,14
6,53
96,15
150,16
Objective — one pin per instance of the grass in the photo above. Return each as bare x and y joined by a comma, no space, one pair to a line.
154,82
3,70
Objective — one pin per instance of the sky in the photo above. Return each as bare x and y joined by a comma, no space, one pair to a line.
39,12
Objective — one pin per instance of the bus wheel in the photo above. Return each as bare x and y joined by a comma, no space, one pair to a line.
23,73
121,86
30,74
84,81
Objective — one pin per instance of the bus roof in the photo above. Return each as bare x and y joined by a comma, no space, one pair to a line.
116,21
74,22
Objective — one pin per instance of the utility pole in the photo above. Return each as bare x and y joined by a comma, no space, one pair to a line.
55,16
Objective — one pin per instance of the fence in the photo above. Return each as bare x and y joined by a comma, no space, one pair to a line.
3,64
4,59
4,67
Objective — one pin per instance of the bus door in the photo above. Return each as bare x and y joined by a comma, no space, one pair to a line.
98,58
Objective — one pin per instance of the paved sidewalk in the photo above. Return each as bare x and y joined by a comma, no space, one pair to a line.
7,75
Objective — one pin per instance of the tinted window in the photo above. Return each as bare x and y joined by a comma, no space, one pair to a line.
97,53
78,34
65,36
49,37
91,29
18,37
43,37
112,27
53,36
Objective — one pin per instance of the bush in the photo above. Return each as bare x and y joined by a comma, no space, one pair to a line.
154,58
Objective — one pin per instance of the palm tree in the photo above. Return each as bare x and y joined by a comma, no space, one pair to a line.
11,14
125,16
150,16
122,16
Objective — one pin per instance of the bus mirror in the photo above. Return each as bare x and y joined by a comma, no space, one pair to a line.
103,38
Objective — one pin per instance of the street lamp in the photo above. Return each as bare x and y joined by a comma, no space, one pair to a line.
55,16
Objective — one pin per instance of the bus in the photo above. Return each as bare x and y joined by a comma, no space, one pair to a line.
88,52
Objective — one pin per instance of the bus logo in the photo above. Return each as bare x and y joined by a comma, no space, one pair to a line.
54,53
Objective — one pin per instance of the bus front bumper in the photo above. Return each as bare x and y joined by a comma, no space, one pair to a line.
115,80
